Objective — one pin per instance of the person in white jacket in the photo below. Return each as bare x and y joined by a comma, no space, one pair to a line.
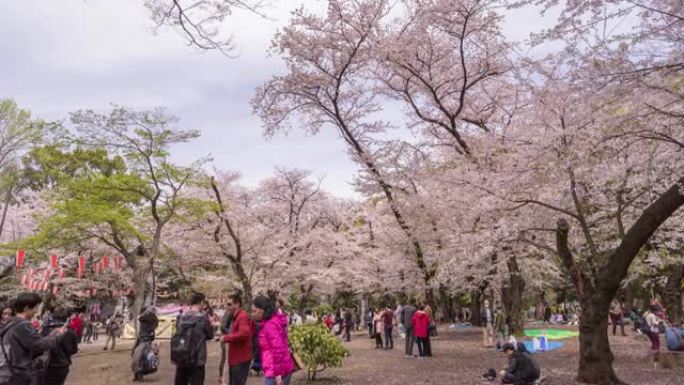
653,333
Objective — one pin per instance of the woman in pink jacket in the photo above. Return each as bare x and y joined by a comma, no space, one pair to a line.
273,344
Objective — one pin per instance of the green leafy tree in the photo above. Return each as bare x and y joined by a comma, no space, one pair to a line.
116,186
317,348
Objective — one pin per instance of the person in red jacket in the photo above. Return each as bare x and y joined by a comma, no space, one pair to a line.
76,325
239,339
421,327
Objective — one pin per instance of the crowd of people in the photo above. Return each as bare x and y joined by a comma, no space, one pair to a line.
39,350
34,353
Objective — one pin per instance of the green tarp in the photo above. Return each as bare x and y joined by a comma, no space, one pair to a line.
552,334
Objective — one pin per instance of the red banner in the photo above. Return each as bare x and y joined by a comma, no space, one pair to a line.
21,255
24,279
117,262
97,268
46,275
105,262
54,261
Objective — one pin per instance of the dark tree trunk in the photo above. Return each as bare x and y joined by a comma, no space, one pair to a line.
672,293
476,309
304,297
446,300
596,359
596,292
511,297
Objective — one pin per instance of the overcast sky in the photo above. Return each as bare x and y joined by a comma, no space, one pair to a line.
60,56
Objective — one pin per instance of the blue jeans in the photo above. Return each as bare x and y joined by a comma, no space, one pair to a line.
272,380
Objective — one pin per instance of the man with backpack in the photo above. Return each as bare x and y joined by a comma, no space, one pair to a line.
189,344
20,342
239,337
148,322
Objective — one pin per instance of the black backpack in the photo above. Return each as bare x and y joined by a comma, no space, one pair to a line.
187,342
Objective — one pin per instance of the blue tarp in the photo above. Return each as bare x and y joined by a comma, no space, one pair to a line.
551,345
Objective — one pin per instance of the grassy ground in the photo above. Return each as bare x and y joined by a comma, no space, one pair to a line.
459,358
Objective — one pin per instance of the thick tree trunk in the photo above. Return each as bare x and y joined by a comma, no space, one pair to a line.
597,291
246,284
511,297
476,309
672,293
596,358
447,303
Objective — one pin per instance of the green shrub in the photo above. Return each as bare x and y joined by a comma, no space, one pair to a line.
317,348
323,310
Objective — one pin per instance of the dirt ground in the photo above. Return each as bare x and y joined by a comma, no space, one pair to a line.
459,358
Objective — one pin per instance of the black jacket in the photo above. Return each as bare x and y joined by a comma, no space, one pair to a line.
522,368
20,344
67,346
201,321
148,325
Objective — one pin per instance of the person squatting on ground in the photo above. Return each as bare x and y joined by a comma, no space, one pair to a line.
20,342
522,368
189,344
239,338
273,342
148,322
406,319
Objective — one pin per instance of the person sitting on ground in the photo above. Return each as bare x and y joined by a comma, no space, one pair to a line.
522,368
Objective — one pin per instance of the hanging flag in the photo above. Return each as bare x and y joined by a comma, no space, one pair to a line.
54,261
81,266
21,255
45,286
46,275
105,262
24,279
30,272
117,262
97,268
